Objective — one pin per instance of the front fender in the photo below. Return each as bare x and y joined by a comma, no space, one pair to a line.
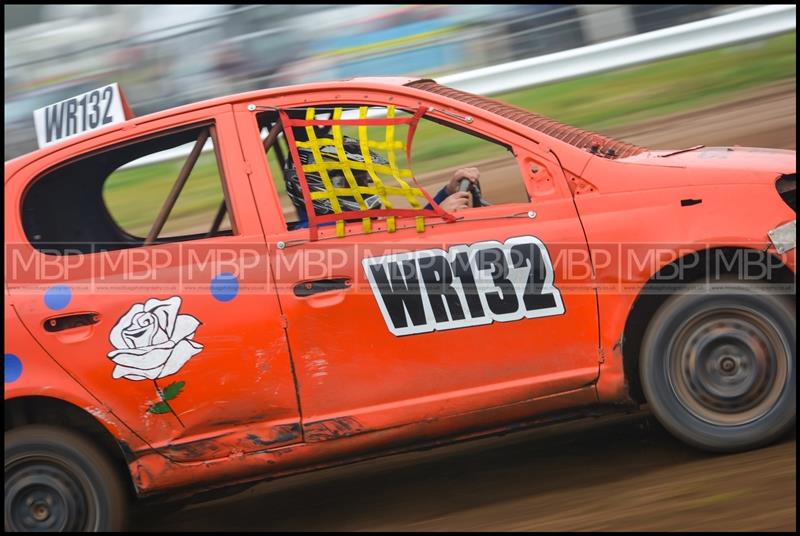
634,235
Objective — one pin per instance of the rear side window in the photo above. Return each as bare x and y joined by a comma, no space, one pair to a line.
162,189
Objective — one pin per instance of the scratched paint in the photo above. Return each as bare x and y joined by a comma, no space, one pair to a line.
262,361
100,414
280,434
320,366
263,365
316,365
332,429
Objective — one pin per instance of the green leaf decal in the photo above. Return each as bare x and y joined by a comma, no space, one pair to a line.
173,390
160,407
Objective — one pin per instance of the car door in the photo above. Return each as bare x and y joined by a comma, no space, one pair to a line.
181,337
378,334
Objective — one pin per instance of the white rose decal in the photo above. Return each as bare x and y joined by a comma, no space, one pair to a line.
153,341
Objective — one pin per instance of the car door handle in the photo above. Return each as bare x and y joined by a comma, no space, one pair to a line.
60,323
309,288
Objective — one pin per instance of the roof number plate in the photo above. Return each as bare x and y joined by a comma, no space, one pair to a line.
74,116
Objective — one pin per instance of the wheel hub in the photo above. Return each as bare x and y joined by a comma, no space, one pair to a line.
728,366
41,510
41,496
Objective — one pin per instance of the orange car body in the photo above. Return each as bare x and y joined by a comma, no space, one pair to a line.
287,382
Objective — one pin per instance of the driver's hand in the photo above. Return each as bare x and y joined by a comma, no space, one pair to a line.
457,201
471,173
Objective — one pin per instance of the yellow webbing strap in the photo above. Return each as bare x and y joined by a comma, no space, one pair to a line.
329,192
379,188
338,142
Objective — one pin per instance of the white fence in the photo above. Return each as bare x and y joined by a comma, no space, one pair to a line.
710,33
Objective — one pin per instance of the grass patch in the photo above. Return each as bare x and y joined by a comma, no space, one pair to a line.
135,196
661,88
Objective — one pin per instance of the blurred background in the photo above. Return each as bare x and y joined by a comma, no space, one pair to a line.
168,55
629,476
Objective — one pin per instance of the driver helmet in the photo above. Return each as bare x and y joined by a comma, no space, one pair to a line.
352,149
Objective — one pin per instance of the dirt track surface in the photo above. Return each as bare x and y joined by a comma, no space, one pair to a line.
766,117
610,473
613,473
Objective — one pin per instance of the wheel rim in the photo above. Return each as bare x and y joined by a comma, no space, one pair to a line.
728,366
42,494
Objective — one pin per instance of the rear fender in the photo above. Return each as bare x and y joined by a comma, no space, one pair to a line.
30,371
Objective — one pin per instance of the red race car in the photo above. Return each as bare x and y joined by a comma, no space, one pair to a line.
288,279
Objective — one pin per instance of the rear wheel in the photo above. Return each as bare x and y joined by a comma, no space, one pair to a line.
718,366
56,480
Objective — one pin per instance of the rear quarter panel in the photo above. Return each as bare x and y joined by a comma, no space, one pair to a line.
30,371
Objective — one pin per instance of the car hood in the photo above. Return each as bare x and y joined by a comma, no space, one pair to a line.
777,161
689,168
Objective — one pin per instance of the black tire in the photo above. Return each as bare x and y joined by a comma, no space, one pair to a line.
718,364
56,480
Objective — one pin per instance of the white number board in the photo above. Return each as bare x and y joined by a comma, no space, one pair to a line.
74,116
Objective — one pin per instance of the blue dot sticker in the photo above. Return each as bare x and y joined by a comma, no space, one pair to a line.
57,297
225,287
13,368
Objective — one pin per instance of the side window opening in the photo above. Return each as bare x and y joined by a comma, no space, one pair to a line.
438,150
351,165
277,153
114,198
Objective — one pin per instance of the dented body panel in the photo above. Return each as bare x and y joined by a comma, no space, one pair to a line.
353,442
277,382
